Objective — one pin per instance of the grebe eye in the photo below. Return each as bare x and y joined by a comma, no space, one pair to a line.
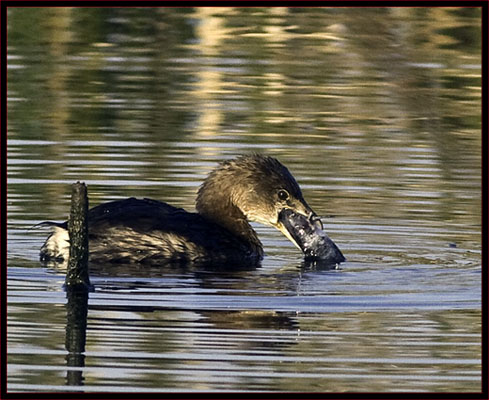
283,195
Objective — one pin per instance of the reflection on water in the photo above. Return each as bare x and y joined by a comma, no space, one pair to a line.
171,333
375,111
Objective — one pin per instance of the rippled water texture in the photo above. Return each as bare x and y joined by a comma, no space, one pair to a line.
376,112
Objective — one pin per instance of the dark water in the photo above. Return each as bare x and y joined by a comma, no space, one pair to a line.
377,114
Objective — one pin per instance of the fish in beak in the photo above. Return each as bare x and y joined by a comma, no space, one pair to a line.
307,233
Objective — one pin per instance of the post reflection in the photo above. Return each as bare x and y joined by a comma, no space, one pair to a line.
76,331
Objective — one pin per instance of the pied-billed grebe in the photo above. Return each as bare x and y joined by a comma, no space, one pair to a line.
248,188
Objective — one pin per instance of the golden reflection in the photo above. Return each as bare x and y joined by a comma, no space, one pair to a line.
210,32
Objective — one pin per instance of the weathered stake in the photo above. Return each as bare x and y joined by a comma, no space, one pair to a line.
77,273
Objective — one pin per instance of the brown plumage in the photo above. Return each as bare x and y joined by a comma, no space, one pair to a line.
248,188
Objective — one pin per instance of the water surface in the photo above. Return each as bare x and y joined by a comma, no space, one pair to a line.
375,111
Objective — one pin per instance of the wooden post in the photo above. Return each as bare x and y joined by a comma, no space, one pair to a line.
77,284
77,273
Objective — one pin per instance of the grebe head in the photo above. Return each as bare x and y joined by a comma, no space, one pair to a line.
256,188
